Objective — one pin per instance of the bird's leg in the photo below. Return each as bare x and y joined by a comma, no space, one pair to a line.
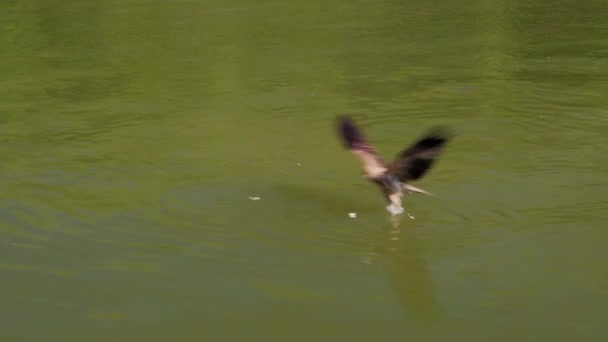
411,188
395,207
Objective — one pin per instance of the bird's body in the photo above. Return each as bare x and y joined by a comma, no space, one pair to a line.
410,164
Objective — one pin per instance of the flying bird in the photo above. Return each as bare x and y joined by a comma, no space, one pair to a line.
410,164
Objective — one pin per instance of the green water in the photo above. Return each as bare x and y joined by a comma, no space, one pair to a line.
134,132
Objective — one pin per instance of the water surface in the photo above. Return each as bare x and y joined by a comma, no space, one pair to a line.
134,132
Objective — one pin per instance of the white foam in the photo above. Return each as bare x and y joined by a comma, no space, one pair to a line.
393,209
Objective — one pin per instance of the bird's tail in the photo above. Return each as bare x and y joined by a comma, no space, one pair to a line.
411,188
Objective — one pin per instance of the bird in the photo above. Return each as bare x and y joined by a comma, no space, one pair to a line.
410,164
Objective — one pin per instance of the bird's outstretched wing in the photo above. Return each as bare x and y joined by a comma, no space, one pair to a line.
415,161
353,138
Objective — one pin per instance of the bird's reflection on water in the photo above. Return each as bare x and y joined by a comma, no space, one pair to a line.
407,269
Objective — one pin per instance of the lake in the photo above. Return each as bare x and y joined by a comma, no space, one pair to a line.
170,170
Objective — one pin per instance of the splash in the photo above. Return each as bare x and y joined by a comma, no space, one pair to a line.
394,209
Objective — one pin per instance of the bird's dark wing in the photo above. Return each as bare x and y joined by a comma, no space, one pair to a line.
354,140
415,161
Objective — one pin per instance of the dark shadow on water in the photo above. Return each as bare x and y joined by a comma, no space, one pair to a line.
324,199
